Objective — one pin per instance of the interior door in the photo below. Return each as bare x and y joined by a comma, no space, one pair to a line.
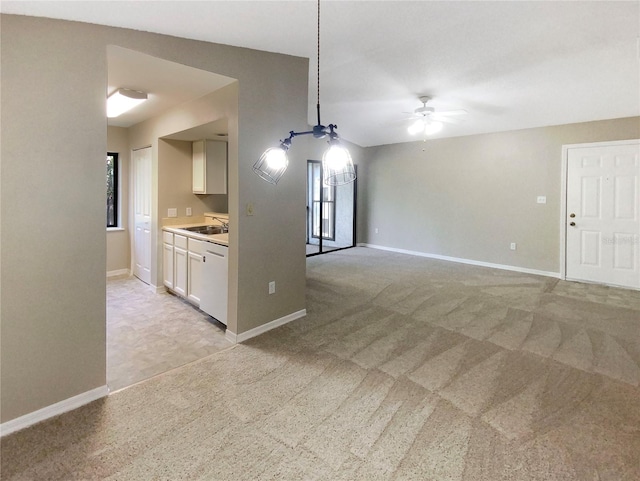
603,205
141,160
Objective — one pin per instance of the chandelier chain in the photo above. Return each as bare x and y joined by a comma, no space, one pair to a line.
318,90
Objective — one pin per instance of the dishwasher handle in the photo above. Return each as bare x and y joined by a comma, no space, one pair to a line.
212,253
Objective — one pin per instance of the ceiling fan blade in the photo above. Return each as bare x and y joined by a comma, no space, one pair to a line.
452,112
406,120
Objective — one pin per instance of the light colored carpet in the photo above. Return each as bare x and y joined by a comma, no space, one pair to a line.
404,369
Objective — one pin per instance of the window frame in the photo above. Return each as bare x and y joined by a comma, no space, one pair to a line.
116,191
323,202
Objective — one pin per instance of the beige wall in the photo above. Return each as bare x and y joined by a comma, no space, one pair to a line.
53,238
470,197
175,157
53,146
118,245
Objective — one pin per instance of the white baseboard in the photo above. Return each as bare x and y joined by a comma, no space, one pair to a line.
118,272
504,267
53,410
256,331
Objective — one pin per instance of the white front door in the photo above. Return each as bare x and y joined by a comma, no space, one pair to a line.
603,209
141,160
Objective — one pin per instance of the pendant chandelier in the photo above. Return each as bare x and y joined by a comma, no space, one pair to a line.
337,165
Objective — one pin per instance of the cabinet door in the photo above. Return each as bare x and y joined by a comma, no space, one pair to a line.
180,275
167,265
199,167
194,282
216,167
209,164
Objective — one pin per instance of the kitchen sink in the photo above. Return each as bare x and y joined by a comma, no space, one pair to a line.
208,229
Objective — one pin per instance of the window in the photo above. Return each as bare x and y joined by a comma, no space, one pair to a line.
323,204
112,189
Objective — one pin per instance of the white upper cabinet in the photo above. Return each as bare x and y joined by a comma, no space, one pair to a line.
209,167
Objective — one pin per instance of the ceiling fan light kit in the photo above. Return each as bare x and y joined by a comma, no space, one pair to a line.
428,127
337,165
429,121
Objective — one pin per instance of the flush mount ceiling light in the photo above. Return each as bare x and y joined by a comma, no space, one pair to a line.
337,165
123,100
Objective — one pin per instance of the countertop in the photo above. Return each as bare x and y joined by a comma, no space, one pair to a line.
222,239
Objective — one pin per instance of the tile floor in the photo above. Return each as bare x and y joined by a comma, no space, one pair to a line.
149,333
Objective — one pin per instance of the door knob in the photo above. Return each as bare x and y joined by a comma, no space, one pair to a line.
572,224
572,215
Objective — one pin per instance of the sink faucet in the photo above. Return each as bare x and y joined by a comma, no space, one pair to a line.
225,225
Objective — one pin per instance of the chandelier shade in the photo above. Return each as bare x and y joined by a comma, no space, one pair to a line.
337,165
273,163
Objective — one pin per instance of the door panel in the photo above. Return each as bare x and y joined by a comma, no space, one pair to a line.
591,197
603,205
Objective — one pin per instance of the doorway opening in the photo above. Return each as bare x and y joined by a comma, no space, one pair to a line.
150,331
331,213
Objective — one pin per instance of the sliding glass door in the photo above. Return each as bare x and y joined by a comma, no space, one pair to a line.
330,213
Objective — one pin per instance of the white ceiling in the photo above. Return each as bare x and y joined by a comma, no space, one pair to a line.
511,65
166,84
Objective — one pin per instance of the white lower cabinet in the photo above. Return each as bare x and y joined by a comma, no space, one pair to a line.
194,271
167,263
180,264
167,259
197,270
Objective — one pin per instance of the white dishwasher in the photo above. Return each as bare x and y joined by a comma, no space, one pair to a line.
215,268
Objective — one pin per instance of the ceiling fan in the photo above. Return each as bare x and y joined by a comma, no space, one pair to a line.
428,121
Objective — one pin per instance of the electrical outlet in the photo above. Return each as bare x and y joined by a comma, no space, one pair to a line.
272,287
172,212
513,246
542,199
189,213
250,208
376,230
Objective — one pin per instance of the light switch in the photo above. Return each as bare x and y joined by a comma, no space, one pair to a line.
250,208
172,212
189,213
